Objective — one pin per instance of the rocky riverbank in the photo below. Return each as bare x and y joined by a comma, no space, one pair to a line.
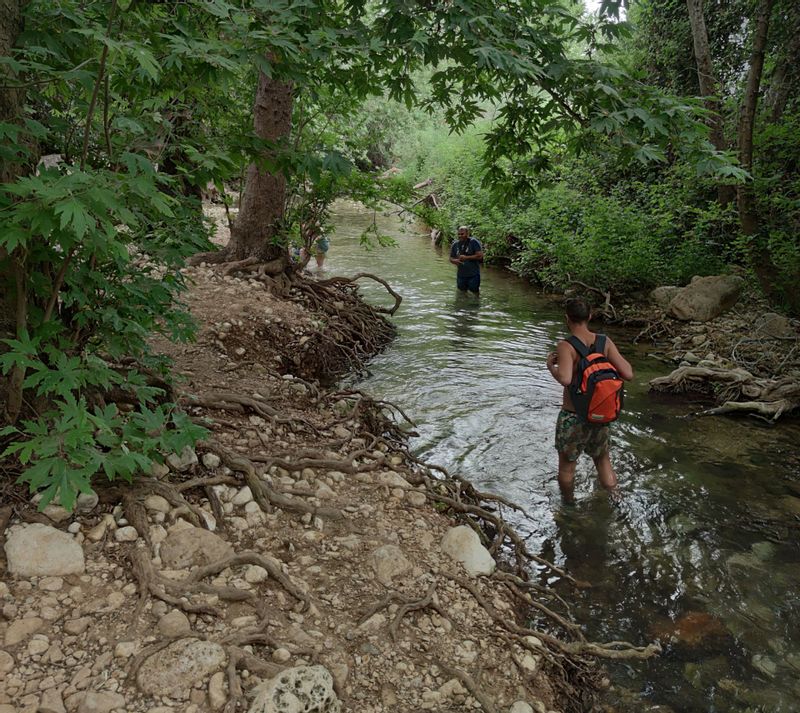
301,559
724,342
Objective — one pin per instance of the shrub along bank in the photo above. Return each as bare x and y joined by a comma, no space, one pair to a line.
589,219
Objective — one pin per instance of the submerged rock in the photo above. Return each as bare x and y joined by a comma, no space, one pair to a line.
691,629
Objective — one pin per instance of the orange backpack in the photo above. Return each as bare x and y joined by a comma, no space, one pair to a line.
597,389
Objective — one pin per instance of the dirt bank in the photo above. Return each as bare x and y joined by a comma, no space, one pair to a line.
300,559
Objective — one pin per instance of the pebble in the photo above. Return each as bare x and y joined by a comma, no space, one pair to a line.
243,497
281,655
21,629
101,702
125,649
211,460
126,534
75,627
255,574
416,498
174,624
157,503
216,691
6,662
38,646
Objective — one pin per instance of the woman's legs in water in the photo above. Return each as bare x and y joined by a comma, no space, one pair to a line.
566,478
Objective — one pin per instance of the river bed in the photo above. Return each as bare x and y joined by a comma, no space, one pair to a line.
704,550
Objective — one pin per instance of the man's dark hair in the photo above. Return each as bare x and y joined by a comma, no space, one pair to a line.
578,310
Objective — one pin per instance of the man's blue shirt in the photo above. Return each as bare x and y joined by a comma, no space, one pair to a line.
467,247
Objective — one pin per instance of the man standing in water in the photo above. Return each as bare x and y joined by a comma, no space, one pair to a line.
466,253
573,436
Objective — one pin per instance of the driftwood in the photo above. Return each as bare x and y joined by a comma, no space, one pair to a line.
735,390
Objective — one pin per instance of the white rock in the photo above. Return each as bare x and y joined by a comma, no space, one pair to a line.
159,470
388,562
183,461
126,534
174,624
416,498
463,545
244,496
281,655
21,629
324,492
520,707
6,662
51,584
101,702
297,690
217,697
255,574
157,503
38,646
211,460
86,502
57,513
392,480
51,702
180,666
38,550
193,546
125,649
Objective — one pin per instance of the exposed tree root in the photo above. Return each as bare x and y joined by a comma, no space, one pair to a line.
350,280
406,606
471,685
735,390
272,567
264,495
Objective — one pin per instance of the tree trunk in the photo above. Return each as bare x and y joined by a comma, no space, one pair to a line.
708,85
760,256
13,290
784,74
746,198
264,200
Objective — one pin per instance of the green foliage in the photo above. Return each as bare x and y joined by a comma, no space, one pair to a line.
588,220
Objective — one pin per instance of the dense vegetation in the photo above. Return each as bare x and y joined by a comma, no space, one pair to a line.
599,217
115,115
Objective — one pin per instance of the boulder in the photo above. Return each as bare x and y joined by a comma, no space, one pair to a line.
303,689
663,295
463,545
38,550
177,669
193,547
388,562
775,326
706,297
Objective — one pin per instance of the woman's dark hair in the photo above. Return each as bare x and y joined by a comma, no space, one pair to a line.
578,310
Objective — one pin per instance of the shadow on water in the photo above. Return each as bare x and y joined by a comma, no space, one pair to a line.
703,552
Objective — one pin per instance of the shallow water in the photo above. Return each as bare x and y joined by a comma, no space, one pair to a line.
707,538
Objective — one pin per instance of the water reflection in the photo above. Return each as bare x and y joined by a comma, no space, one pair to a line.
703,552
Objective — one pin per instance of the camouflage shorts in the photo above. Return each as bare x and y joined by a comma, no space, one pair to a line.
574,437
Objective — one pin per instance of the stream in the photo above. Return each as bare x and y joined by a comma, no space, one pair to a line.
704,550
